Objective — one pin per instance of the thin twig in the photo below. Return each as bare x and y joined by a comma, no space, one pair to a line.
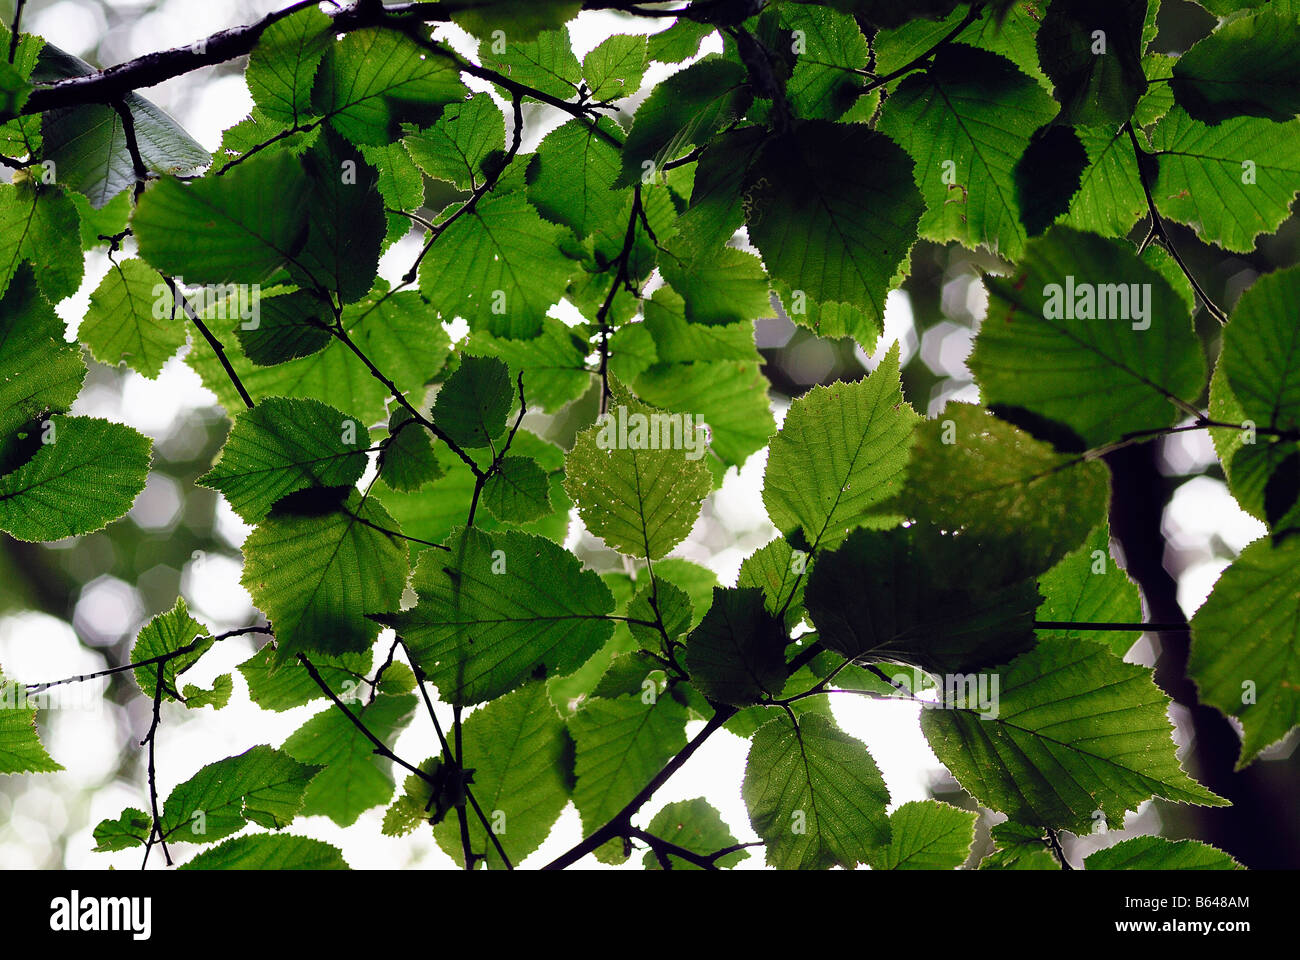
662,848
381,748
161,658
420,680
438,229
179,298
133,148
14,28
973,14
1054,842
150,740
621,821
1158,230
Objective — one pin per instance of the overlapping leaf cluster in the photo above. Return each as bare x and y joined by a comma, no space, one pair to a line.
393,479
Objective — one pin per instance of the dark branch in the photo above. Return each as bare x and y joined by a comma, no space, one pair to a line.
213,342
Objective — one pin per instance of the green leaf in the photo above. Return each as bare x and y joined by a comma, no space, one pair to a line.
261,785
716,211
636,484
253,134
891,595
1019,848
1110,198
1048,175
553,364
614,69
726,286
372,81
42,373
621,745
822,84
106,222
280,690
729,397
824,228
544,61
393,330
518,490
400,184
679,42
1066,354
737,653
521,755
677,340
926,835
407,461
1249,65
87,474
20,136
1088,586
631,673
522,18
473,404
777,569
842,450
887,13
131,829
14,90
240,227
431,517
260,852
660,601
283,65
164,634
130,319
40,224
287,326
499,267
88,146
966,122
688,108
346,221
282,446
455,148
316,573
973,472
697,826
1012,32
1245,655
815,795
1157,853
1098,79
499,608
1231,182
20,748
571,180
1260,351
354,779
217,697
1072,730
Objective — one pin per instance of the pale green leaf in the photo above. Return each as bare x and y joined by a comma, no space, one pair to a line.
814,794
